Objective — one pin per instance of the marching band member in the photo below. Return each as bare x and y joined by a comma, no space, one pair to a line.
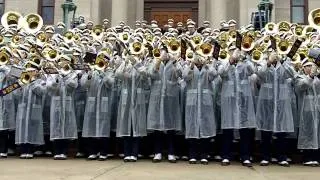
132,111
307,87
7,107
199,114
97,123
164,117
29,120
63,125
237,108
274,112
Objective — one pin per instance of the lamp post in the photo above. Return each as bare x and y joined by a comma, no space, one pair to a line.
68,6
266,6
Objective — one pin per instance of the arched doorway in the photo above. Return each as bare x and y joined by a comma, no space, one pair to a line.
179,10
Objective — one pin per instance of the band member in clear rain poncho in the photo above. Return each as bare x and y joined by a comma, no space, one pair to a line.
97,119
7,111
63,125
164,114
307,88
29,120
274,112
237,107
199,115
132,110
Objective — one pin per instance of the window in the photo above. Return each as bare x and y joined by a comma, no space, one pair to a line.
1,7
46,10
299,10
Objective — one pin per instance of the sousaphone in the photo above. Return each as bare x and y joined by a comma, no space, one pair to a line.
10,18
31,23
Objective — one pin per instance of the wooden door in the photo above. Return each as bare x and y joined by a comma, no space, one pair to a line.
178,16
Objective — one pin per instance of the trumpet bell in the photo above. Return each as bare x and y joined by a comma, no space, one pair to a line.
174,47
136,48
224,55
10,18
97,32
257,56
283,26
283,46
189,55
156,53
124,37
205,50
296,59
32,23
247,43
270,28
4,58
65,68
26,78
314,18
68,36
100,64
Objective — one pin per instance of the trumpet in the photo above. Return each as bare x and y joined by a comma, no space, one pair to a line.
256,56
97,32
232,35
28,77
283,46
156,53
247,43
174,46
4,58
205,50
224,55
100,64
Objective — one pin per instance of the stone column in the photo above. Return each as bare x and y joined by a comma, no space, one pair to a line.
202,11
119,11
243,13
139,10
218,9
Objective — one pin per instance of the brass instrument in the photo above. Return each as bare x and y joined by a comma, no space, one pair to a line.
284,46
4,58
247,43
298,31
174,46
224,55
283,26
10,18
296,59
136,48
97,32
270,28
68,37
156,53
27,77
232,35
314,18
256,56
196,40
189,55
31,23
100,63
65,68
42,37
205,50
124,37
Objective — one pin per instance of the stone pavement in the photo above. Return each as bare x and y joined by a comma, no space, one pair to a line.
73,169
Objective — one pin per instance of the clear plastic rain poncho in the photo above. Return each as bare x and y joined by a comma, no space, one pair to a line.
274,111
7,105
97,115
164,106
199,113
29,121
132,110
237,107
63,123
308,113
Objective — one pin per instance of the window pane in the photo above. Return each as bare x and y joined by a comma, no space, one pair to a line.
1,9
47,2
297,14
298,2
47,15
